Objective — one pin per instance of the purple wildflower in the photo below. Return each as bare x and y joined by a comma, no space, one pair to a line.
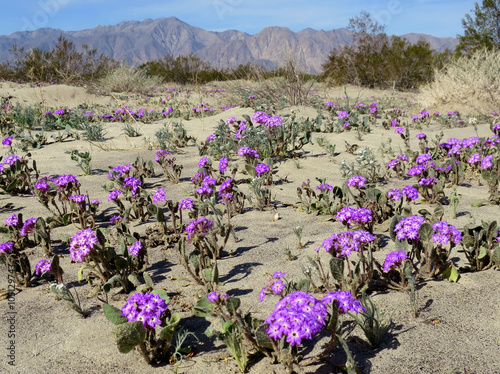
203,161
43,266
394,259
82,243
186,204
159,195
135,248
12,220
199,228
113,195
394,194
7,140
28,227
446,233
146,308
408,227
6,247
345,301
356,181
410,192
486,162
223,164
261,169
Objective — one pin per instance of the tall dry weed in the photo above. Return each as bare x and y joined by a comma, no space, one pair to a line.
473,82
126,78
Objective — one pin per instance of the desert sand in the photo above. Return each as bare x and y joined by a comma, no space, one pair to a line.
457,331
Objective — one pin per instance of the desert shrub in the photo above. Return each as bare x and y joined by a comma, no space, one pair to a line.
62,64
127,79
473,81
182,69
377,60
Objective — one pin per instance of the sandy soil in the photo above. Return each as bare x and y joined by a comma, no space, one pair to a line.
458,330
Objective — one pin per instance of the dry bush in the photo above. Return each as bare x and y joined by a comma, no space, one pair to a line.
127,79
470,81
286,85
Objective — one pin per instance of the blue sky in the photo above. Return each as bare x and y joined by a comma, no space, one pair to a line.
435,17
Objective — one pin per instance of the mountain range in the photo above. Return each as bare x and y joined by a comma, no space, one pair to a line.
137,42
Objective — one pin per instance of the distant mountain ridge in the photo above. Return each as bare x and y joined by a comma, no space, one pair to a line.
137,42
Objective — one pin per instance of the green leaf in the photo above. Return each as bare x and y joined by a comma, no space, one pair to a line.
133,279
167,333
303,285
152,209
113,314
12,185
128,335
162,294
451,273
81,278
495,257
232,304
482,252
425,232
114,281
337,268
262,338
203,307
208,274
148,280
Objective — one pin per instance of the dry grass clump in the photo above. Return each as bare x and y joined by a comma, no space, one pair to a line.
471,81
287,85
125,78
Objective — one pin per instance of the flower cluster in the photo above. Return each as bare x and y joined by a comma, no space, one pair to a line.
354,216
199,228
132,183
10,160
65,179
146,308
346,242
356,181
135,248
6,247
159,195
261,169
274,286
216,295
186,204
12,220
203,161
7,140
446,233
43,266
82,243
223,164
408,227
119,171
28,227
161,154
42,184
248,152
394,259
78,199
394,194
297,316
113,195
410,192
345,302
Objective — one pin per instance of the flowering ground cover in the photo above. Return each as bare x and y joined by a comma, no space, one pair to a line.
345,233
